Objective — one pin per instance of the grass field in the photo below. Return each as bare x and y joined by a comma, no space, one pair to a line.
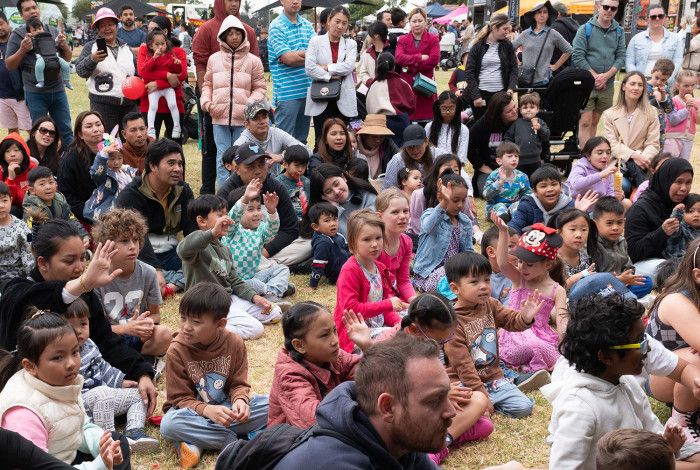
522,440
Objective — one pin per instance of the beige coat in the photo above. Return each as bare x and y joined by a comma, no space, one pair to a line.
641,136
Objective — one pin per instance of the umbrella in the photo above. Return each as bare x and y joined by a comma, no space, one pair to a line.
140,7
307,4
435,10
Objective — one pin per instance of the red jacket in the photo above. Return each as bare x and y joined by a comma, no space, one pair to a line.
352,290
18,186
159,73
206,41
408,57
296,392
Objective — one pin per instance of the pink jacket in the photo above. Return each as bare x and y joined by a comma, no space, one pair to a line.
684,129
233,79
408,57
400,265
296,390
352,291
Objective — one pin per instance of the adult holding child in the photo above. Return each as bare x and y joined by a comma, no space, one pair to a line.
632,127
106,70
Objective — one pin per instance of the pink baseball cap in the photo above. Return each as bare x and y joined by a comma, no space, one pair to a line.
104,13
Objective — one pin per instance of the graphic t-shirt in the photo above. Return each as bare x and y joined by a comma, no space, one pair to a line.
121,296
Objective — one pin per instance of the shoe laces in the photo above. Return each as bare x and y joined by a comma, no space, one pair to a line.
692,421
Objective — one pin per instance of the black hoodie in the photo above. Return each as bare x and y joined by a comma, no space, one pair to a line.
567,27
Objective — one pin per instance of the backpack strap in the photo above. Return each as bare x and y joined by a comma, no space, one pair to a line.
589,30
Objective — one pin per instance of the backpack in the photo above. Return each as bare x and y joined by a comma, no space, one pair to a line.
267,448
589,30
45,46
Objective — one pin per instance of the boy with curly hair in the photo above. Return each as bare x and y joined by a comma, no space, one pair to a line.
132,300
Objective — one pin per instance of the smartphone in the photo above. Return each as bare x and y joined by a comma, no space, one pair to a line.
101,44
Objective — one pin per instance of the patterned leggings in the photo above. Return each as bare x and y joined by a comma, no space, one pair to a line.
104,403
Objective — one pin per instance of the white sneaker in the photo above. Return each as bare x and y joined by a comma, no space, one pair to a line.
177,132
688,421
151,132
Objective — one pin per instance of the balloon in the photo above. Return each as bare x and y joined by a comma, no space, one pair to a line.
133,88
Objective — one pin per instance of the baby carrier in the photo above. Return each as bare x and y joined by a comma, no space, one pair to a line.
45,46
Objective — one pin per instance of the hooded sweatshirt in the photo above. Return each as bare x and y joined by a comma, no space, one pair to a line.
585,408
531,211
206,41
602,50
645,237
567,27
340,412
18,186
233,78
584,177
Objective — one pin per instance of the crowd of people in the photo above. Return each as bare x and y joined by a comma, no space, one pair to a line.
586,288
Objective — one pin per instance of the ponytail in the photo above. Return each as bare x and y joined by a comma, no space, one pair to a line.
9,364
385,64
496,22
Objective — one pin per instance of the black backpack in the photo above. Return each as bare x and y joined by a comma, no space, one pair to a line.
45,46
265,450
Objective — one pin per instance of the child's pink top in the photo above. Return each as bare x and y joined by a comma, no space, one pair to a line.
400,267
686,128
25,422
352,291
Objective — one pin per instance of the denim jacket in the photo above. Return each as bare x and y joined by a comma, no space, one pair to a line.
435,232
638,52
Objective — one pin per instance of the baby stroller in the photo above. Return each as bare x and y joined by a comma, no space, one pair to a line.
561,106
190,124
451,59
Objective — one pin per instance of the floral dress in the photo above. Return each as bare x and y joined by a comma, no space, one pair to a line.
429,284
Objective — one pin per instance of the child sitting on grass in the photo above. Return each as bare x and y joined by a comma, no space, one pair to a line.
247,236
205,258
208,400
110,176
689,230
44,202
132,300
106,393
506,186
15,165
16,258
330,249
296,159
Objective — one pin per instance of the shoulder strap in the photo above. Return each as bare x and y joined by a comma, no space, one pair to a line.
534,69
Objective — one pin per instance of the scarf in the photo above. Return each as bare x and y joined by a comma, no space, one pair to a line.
374,158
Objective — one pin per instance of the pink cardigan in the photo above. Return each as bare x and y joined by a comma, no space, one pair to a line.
408,58
400,266
352,291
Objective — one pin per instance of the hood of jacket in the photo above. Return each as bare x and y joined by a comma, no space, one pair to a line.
569,23
14,136
564,200
572,379
229,22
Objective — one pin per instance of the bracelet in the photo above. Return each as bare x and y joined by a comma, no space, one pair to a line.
82,283
584,273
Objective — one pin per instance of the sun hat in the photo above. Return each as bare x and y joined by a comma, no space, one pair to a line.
538,243
104,13
375,124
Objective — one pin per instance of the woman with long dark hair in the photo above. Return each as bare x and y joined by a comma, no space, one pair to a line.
390,95
45,143
334,145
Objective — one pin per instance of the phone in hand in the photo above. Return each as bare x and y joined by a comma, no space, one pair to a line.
101,44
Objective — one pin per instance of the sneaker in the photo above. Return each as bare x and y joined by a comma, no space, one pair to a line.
151,132
440,456
291,290
531,381
688,421
188,454
177,131
479,430
159,367
40,84
141,442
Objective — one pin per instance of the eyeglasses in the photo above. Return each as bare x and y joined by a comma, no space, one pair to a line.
49,132
657,17
440,343
609,7
643,345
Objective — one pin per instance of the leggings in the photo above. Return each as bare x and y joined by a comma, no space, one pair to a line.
104,403
169,95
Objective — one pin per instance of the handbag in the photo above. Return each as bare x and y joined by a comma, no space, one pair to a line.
526,75
324,92
424,85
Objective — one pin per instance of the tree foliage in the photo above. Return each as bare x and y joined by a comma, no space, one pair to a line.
81,8
357,12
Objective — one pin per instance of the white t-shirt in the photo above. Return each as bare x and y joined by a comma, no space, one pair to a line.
655,53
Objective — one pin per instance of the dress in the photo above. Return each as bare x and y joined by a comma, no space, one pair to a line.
429,284
535,348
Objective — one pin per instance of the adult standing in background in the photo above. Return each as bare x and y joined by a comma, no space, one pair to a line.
51,98
128,32
418,52
657,42
567,27
377,38
385,17
289,39
599,47
106,70
691,60
467,35
204,44
14,114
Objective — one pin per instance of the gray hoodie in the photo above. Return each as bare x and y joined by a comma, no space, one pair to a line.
562,203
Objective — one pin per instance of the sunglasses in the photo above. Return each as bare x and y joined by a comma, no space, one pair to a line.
609,7
45,131
643,346
440,343
657,17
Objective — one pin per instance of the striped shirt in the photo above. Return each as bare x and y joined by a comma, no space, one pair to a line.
288,83
490,75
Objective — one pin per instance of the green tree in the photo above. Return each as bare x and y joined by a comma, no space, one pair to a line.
81,8
357,12
63,9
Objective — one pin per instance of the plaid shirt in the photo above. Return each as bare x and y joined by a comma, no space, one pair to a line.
246,245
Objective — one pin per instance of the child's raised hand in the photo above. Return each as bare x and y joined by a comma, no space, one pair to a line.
530,306
219,414
241,410
358,330
675,437
606,172
252,190
536,126
270,200
459,395
222,226
97,273
498,222
585,202
398,305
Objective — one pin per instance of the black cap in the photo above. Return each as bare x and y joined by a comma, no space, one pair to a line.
248,153
413,135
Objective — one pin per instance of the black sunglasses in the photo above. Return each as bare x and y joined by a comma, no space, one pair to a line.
609,7
657,17
49,132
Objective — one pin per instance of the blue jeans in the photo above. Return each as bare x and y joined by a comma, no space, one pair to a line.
272,280
55,105
508,399
185,425
172,268
290,117
224,137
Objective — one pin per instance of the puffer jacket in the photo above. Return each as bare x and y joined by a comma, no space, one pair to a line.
233,78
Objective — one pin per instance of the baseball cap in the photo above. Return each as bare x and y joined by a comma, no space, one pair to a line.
254,107
413,135
538,243
248,153
602,284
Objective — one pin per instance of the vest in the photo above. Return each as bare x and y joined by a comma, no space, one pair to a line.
109,74
59,408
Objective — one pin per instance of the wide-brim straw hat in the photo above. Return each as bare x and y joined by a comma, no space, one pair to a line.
375,124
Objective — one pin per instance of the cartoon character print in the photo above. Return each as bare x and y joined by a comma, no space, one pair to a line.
484,349
104,82
533,238
211,388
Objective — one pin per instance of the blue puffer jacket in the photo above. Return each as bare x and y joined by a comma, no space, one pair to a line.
107,189
435,232
530,212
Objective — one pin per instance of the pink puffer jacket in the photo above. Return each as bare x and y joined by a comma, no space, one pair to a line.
233,79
